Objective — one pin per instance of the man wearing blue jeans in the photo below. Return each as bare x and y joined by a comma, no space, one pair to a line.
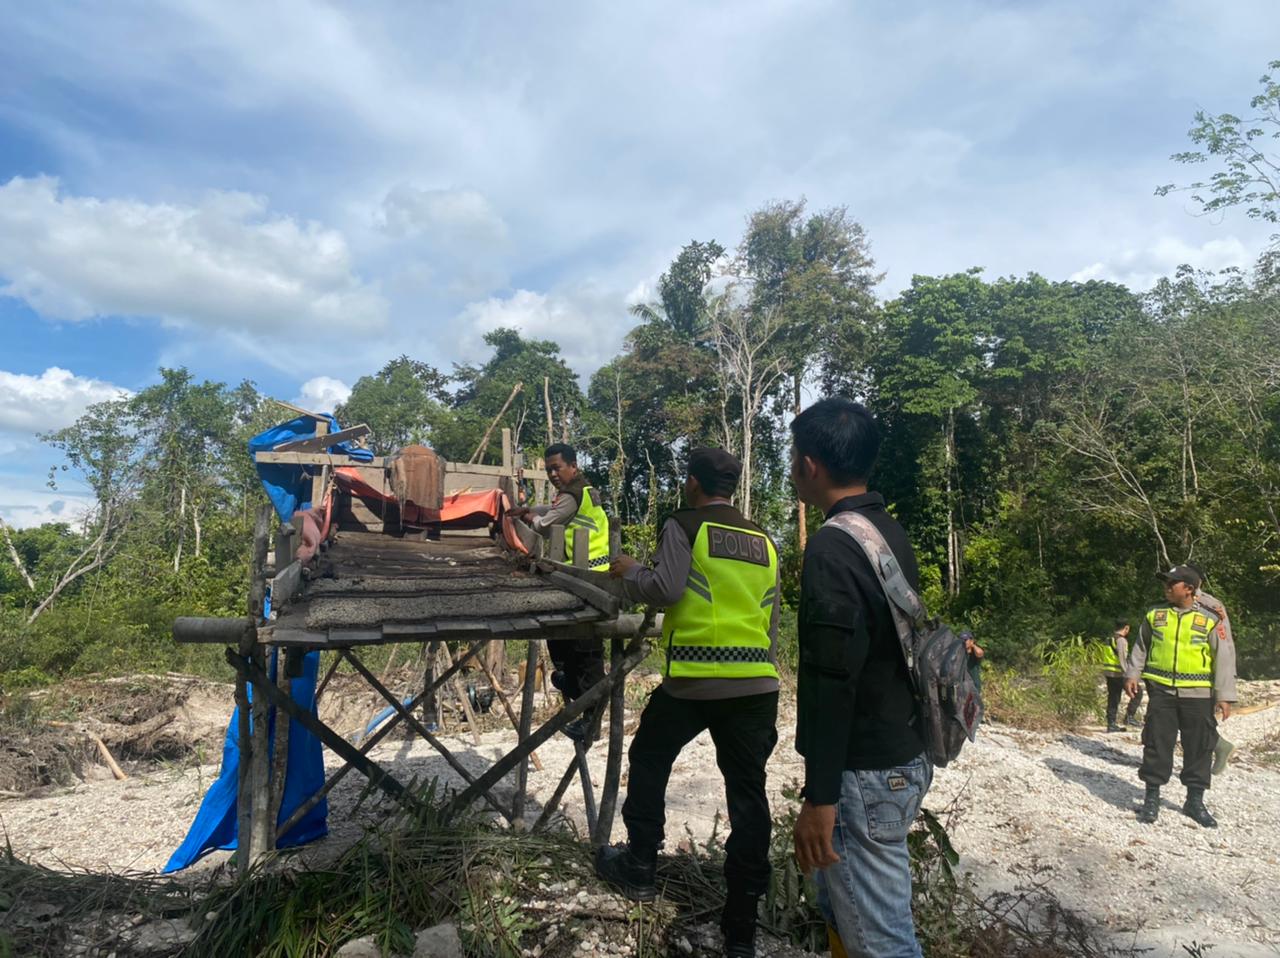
865,771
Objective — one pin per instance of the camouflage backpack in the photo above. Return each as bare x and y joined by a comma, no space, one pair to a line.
948,701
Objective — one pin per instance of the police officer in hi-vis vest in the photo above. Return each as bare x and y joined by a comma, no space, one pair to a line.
1115,652
717,575
1185,654
579,662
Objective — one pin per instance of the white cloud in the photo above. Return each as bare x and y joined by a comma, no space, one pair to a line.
1140,268
322,394
224,264
588,322
52,400
445,216
23,508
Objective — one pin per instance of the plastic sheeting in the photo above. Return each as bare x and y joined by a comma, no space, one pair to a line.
216,823
289,486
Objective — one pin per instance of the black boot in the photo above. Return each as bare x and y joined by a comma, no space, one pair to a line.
1194,809
633,875
738,922
1150,809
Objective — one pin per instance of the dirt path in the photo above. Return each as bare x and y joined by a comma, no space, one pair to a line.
1059,805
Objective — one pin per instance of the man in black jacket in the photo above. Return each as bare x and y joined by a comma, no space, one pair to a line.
856,715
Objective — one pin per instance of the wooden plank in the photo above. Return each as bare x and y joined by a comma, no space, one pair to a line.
596,596
581,547
410,630
508,452
286,587
314,459
322,442
475,468
556,552
284,637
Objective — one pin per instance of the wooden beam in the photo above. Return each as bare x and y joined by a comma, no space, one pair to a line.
286,586
322,442
635,654
376,775
315,459
596,596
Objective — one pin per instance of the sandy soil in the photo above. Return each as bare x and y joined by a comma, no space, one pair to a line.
1061,805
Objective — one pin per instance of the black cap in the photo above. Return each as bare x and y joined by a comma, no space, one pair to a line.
716,470
1181,573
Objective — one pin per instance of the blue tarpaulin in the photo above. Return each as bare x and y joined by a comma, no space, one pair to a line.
216,823
288,486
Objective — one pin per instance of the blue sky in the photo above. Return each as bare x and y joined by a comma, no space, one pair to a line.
296,192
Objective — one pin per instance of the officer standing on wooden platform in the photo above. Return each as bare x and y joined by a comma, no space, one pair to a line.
1185,654
579,662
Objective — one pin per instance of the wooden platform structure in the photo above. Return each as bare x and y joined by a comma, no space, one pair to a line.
367,586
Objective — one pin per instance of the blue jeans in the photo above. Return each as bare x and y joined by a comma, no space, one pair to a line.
866,897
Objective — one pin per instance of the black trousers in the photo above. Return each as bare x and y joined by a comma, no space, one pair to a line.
1169,715
1115,688
744,731
581,661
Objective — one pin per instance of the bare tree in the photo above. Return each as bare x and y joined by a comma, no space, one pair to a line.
751,363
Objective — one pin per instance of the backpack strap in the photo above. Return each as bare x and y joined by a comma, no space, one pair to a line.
908,611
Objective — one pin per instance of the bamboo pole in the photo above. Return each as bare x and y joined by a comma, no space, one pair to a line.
484,442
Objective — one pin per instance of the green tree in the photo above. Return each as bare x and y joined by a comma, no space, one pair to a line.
402,404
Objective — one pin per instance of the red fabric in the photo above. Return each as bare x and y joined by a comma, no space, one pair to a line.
462,510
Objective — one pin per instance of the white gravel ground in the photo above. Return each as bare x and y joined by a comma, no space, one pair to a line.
1060,804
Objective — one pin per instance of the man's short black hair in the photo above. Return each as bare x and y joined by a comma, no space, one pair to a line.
842,435
563,450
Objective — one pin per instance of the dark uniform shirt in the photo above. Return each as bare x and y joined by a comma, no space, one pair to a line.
855,704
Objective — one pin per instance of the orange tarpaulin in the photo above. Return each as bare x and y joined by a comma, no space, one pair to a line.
462,510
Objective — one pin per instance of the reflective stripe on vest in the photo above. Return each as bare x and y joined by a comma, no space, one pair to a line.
592,518
719,628
1179,655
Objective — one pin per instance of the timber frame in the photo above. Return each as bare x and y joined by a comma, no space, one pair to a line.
368,586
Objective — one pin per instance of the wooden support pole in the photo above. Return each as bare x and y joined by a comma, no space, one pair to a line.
615,540
324,682
554,802
617,722
383,731
581,547
634,655
556,553
431,712
418,727
506,705
284,552
588,791
244,779
526,723
280,747
508,451
463,701
262,829
265,688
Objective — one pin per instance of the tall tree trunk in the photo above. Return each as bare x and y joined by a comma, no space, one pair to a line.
182,527
17,559
195,521
546,402
745,482
802,531
953,538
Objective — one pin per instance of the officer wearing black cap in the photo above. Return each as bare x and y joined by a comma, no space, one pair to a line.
716,574
1185,654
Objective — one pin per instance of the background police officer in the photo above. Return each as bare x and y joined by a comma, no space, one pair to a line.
579,662
717,575
1115,652
1187,666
